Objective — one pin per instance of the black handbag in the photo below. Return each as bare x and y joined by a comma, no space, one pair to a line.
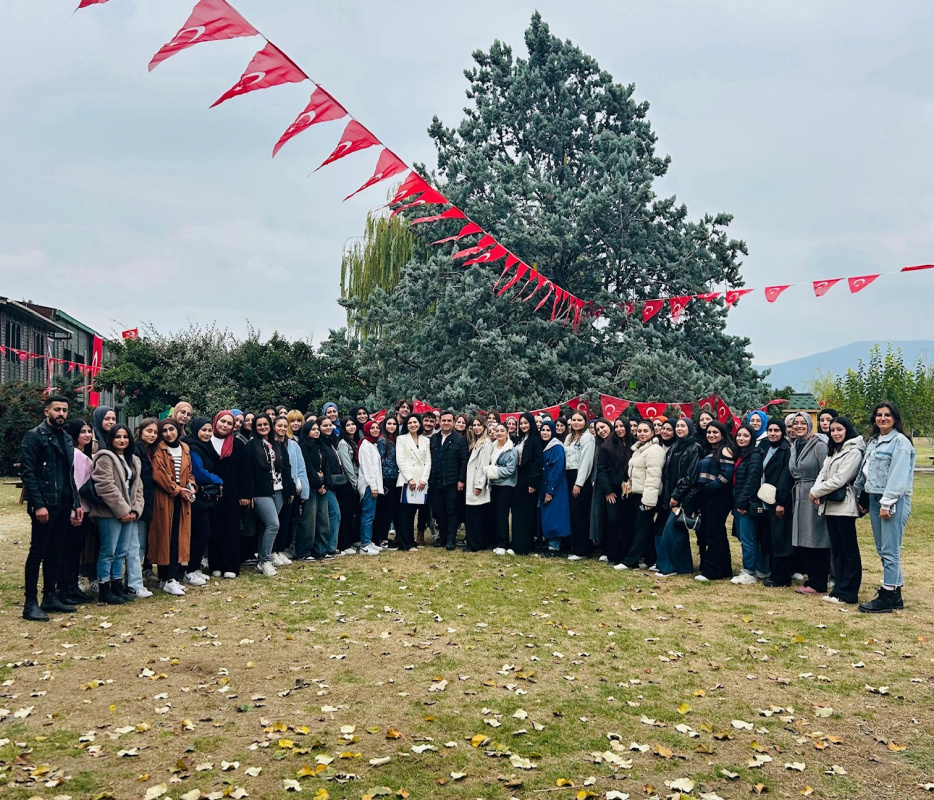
836,496
689,522
210,492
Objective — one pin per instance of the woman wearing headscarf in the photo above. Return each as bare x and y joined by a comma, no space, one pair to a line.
170,531
613,487
835,498
679,487
478,521
645,479
555,507
757,421
103,419
182,414
579,455
336,483
747,478
210,487
715,500
369,484
387,504
704,418
360,415
272,482
528,481
826,416
116,477
809,529
69,566
777,504
887,477
413,457
233,466
348,539
501,473
311,540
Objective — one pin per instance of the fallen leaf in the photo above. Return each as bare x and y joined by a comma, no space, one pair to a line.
253,772
796,765
156,791
291,785
681,785
684,708
561,782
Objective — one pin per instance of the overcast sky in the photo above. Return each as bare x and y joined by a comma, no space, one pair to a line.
125,199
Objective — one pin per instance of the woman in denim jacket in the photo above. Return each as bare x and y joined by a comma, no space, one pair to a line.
886,477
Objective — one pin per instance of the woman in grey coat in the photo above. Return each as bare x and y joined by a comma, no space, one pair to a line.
808,528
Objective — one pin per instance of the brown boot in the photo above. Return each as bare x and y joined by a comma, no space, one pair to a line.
420,538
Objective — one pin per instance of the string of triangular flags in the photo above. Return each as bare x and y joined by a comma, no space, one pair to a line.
215,20
25,355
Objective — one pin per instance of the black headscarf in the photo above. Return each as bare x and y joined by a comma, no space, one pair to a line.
683,444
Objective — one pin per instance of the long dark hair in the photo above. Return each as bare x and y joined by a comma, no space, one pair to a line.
616,449
113,432
725,439
851,433
386,434
893,409
74,427
351,440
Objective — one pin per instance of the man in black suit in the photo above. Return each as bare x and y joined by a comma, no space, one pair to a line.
449,455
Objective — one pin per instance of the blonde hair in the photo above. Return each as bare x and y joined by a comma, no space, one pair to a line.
294,416
472,439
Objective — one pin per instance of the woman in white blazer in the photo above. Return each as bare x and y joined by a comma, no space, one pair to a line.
413,457
478,520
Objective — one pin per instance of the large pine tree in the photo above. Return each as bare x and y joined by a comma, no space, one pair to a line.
557,162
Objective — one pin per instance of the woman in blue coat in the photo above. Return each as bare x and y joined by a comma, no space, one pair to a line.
555,507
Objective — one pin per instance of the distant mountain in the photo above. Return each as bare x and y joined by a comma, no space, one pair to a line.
798,371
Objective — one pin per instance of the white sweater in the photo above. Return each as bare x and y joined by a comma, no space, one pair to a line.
371,469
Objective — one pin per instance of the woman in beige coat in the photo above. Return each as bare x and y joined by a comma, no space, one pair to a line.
645,477
478,521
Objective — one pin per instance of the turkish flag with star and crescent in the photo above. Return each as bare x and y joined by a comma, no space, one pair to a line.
860,282
389,164
822,287
321,108
650,410
354,138
579,404
677,306
210,21
651,308
772,292
612,407
269,67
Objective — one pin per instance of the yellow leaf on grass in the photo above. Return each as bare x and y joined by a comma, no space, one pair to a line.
895,747
564,782
478,740
663,751
392,733
286,744
583,794
684,708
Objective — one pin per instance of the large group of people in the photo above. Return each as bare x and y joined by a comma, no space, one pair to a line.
187,499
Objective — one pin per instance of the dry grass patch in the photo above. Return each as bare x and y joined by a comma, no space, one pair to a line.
438,674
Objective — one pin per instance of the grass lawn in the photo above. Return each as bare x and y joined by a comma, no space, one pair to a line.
451,675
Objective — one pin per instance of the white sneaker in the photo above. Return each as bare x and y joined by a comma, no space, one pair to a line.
230,574
653,568
745,579
797,576
275,559
216,573
643,565
144,592
203,575
831,599
603,559
266,568
370,550
573,557
510,552
192,579
702,578
620,567
499,551
350,551
173,587
284,560
661,574
762,575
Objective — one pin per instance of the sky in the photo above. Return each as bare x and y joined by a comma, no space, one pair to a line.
126,200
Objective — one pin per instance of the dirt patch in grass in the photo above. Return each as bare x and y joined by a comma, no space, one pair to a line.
476,677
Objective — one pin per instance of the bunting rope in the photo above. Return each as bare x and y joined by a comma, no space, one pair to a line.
215,20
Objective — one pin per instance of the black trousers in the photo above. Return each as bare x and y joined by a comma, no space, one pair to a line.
171,571
501,498
203,519
444,508
643,534
524,520
224,549
715,561
349,504
387,512
580,515
816,567
478,524
290,513
405,530
844,555
45,550
69,565
619,531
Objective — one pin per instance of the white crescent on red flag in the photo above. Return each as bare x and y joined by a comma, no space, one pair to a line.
210,21
269,67
428,197
630,308
686,409
860,282
651,308
650,410
822,287
578,404
677,306
772,292
469,228
413,184
708,296
132,333
612,407
485,241
387,165
321,108
733,295
354,138
494,254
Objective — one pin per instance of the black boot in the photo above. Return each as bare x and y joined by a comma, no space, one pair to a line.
33,613
52,602
108,596
883,603
74,596
897,601
119,589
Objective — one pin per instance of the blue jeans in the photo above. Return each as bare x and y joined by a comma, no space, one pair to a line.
312,527
267,509
115,537
753,558
888,536
136,556
334,526
673,548
367,515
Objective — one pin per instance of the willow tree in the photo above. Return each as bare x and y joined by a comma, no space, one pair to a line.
557,161
375,260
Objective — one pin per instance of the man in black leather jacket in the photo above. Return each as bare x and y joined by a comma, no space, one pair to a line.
449,454
47,469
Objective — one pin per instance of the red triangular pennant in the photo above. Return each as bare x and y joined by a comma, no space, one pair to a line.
550,286
451,213
677,306
269,67
612,406
630,308
210,21
520,271
428,197
708,296
413,184
650,410
469,228
772,292
87,3
686,409
494,254
354,138
484,243
321,108
917,267
578,404
860,282
511,261
389,164
733,295
651,308
822,287
540,281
